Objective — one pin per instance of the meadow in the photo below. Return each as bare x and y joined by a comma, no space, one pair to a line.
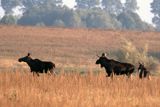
74,90
79,83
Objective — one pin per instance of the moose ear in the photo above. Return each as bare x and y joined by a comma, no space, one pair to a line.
28,54
139,62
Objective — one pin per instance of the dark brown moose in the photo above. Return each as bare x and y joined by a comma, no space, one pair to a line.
143,72
37,66
115,67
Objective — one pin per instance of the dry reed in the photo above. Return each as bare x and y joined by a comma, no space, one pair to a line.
20,89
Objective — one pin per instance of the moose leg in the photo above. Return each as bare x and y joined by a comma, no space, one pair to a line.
45,70
145,73
33,73
37,73
52,72
149,76
112,74
109,74
129,75
141,74
130,71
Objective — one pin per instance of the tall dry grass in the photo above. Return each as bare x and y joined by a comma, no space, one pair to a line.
21,89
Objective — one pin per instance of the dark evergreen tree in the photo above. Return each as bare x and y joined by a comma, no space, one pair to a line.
112,6
100,19
131,20
131,5
41,3
9,20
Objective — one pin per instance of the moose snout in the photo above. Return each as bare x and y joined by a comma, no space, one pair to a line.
19,60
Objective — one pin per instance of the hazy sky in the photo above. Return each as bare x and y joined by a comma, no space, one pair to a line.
144,9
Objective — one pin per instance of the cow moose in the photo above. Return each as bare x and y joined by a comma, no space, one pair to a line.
115,67
37,66
143,72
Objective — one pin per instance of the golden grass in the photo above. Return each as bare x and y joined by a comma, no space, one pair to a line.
21,89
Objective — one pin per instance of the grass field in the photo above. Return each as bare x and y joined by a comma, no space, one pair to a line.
73,90
74,52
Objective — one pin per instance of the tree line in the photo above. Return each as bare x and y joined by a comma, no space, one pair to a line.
108,14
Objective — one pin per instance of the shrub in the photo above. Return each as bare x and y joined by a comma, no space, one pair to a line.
130,53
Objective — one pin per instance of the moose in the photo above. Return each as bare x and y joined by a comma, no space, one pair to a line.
143,72
37,66
115,67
